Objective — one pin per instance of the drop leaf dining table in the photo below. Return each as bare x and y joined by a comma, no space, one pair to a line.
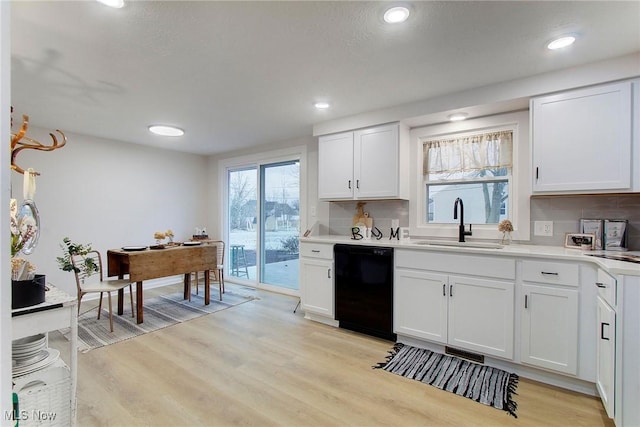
149,264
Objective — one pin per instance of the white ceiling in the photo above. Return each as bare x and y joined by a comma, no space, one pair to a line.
239,74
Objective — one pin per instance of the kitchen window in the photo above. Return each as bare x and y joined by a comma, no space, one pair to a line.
476,168
483,161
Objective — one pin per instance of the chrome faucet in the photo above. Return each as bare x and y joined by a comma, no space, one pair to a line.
461,231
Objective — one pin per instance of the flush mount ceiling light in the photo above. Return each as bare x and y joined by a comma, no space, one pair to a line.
164,130
396,15
561,42
113,3
456,117
321,105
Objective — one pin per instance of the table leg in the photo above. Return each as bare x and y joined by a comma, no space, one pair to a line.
187,286
121,298
207,288
120,301
139,299
73,362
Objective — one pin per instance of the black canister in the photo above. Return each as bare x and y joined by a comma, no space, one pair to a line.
25,293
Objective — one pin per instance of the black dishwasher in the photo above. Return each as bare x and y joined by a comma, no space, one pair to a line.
364,289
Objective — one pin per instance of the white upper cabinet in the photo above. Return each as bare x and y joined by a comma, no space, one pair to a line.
364,164
582,140
335,166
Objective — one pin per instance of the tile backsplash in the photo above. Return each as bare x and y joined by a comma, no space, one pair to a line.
564,211
382,211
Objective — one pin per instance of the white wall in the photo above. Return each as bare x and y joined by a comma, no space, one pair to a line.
110,194
623,67
5,289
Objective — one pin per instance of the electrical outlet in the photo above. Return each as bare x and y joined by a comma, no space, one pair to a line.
543,228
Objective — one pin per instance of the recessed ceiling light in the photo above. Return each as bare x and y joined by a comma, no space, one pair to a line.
164,130
396,15
561,42
321,105
113,3
456,117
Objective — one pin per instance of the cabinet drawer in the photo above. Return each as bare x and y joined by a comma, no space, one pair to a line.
607,287
316,250
557,273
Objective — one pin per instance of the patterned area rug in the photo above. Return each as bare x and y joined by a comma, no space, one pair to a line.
484,384
159,312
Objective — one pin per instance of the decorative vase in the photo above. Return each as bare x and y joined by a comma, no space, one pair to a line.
506,238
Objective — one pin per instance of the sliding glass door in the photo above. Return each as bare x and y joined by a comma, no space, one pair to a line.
263,224
241,222
280,223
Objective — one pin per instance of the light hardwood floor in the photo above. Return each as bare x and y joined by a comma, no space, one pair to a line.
260,364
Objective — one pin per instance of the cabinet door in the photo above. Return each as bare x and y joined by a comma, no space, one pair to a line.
376,164
481,315
550,328
335,166
582,139
316,282
606,350
420,305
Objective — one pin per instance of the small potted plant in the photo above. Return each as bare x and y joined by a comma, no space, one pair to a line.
88,266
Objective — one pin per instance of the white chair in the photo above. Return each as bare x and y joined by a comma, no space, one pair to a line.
218,273
93,283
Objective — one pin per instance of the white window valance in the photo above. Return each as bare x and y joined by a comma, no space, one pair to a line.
476,152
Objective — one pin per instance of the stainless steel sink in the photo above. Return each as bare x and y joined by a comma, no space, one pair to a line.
484,245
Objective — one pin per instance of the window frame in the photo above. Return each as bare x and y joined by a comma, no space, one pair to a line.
519,183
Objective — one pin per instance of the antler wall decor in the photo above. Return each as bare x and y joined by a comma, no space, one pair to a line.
17,143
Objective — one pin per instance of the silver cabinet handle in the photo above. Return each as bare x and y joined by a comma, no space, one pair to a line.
315,251
601,285
546,273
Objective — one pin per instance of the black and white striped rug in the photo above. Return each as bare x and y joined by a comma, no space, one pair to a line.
159,312
484,384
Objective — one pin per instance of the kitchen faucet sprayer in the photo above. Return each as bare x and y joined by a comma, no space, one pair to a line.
461,230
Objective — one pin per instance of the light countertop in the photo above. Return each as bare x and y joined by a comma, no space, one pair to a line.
614,267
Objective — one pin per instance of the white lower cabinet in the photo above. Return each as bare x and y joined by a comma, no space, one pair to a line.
481,315
464,312
550,328
606,355
549,315
316,279
421,305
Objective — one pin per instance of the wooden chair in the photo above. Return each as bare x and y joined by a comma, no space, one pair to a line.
218,273
95,283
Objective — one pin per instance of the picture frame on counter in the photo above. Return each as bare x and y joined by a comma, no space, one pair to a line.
585,241
596,227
